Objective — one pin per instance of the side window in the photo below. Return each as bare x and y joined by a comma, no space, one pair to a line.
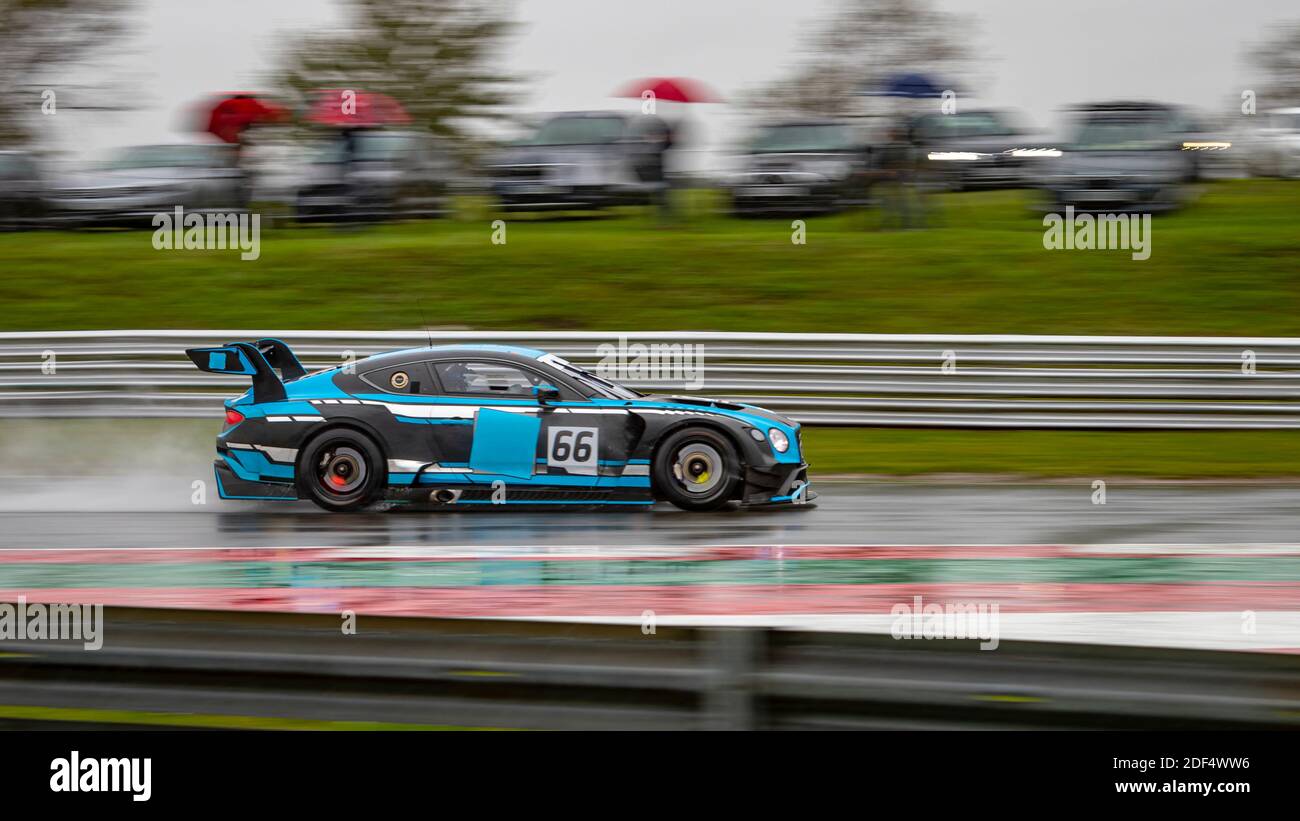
411,378
486,378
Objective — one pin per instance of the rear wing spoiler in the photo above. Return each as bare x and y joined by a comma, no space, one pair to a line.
259,360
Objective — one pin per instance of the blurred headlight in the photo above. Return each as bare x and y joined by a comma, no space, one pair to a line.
779,440
960,156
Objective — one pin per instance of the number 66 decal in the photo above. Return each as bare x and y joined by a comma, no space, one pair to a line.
573,449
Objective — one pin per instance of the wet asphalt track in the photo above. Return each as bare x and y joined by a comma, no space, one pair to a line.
1173,565
98,512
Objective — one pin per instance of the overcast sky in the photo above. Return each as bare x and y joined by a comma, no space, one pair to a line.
1036,56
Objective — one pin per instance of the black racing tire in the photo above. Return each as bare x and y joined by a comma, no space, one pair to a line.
697,469
341,470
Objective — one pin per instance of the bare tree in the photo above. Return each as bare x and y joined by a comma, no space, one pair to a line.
42,43
1278,61
859,44
437,57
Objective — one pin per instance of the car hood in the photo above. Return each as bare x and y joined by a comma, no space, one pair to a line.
548,154
984,145
1102,163
126,178
826,163
751,414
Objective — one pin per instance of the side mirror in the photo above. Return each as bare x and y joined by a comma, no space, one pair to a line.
546,393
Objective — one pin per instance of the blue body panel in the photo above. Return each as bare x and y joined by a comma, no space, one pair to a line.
504,443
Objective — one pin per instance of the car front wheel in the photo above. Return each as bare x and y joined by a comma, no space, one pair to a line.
697,469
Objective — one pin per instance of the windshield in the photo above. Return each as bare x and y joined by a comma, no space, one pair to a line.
365,148
1121,134
165,156
785,138
607,389
578,131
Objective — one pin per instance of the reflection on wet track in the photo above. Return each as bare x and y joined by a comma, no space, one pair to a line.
69,515
1168,565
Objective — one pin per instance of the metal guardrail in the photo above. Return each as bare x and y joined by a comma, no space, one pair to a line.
257,669
894,380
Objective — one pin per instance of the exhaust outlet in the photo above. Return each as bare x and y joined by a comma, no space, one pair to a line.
444,496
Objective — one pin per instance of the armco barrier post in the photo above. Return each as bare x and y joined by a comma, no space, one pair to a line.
731,658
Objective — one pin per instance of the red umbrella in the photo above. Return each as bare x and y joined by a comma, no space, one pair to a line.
229,115
671,89
350,107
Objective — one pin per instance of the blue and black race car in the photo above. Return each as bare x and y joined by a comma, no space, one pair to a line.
487,424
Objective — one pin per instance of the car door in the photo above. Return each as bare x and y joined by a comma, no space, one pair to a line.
491,423
503,432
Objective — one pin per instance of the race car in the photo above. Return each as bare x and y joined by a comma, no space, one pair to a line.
483,425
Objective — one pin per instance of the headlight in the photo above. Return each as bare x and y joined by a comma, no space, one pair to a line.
1036,152
779,440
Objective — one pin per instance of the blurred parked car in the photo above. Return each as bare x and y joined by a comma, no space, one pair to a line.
138,182
977,149
1274,148
375,174
578,160
22,191
1123,157
809,166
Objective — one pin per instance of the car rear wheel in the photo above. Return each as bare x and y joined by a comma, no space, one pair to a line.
341,470
697,469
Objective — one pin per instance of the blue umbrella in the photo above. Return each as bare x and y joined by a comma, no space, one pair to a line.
911,86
